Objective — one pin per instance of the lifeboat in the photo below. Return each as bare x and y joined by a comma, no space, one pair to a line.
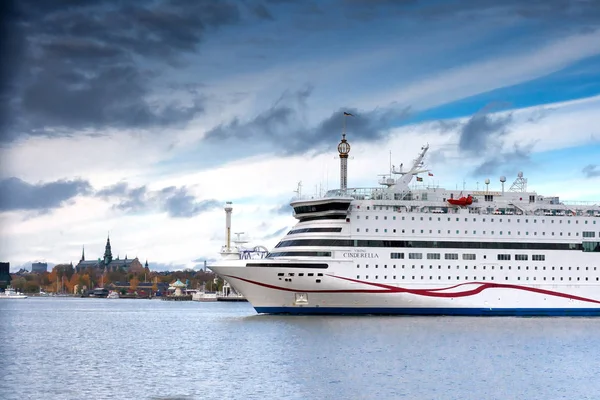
463,201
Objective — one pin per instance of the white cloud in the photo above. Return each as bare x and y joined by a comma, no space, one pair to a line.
259,185
493,73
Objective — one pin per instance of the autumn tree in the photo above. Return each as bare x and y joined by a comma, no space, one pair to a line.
133,283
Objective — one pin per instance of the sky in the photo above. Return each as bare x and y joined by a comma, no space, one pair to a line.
141,119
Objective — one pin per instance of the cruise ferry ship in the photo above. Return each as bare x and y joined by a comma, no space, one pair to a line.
416,250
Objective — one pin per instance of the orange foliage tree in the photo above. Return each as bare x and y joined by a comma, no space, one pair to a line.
133,283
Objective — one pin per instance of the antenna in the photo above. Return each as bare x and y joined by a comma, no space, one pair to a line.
298,190
519,185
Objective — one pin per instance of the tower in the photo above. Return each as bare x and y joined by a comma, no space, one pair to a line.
228,210
107,252
83,253
343,150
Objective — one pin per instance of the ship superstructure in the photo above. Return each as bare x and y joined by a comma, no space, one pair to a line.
402,249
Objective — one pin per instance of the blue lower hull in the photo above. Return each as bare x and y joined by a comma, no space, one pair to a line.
511,312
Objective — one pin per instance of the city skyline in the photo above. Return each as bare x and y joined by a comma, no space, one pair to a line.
143,120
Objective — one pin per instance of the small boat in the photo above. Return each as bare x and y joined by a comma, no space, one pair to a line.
463,201
10,293
112,295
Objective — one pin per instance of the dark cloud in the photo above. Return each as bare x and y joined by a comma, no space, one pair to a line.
513,159
16,194
283,126
68,65
261,11
482,131
176,202
481,137
591,170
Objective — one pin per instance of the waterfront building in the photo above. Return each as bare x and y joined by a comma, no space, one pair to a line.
39,267
107,263
4,274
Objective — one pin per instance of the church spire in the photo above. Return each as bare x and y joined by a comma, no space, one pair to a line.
107,252
83,253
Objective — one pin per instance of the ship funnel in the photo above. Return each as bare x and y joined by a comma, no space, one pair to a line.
228,209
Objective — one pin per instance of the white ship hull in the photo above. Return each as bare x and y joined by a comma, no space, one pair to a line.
337,294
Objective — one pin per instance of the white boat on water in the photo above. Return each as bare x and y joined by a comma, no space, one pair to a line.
112,295
10,293
414,249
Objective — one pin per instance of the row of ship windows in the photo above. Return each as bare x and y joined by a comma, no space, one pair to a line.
560,221
466,278
465,256
585,234
501,267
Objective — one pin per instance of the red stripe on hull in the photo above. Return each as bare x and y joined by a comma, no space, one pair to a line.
423,292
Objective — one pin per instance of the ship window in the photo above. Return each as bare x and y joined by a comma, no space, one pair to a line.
368,208
468,256
310,274
318,281
394,231
451,256
280,274
377,217
319,274
357,276
376,229
385,217
521,257
416,256
357,229
394,217
433,256
503,257
301,274
397,256
366,217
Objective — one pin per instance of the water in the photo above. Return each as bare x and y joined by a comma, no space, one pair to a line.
73,348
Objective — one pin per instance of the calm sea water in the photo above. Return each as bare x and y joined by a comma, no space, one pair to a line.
72,348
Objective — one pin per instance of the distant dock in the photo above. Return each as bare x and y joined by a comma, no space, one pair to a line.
231,298
184,297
